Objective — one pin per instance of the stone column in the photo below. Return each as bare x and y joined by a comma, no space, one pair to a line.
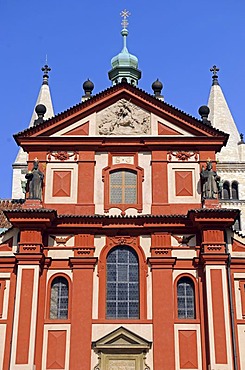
25,312
214,261
81,313
162,264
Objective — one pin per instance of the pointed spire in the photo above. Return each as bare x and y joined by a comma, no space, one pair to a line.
221,118
44,96
20,164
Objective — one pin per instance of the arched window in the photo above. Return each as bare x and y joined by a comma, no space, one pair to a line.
123,187
234,190
226,190
122,284
59,299
186,298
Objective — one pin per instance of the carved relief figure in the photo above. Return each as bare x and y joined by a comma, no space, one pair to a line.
210,182
123,118
35,181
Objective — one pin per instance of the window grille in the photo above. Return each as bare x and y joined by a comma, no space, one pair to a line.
123,187
122,299
186,299
59,298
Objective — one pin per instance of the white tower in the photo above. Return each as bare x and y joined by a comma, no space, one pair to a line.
20,164
231,159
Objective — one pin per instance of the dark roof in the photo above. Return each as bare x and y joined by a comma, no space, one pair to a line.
146,216
122,217
141,93
30,210
214,210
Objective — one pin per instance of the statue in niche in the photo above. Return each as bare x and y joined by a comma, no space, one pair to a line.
211,184
123,118
35,181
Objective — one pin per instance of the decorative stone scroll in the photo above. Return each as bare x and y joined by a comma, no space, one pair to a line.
183,155
123,118
62,156
122,240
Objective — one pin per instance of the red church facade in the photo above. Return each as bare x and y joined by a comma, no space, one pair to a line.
121,263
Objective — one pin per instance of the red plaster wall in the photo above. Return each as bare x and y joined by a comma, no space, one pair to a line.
56,350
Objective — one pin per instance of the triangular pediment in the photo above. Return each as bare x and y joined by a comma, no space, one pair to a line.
121,339
122,110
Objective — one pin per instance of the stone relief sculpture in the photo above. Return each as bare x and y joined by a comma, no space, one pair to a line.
35,181
123,118
211,184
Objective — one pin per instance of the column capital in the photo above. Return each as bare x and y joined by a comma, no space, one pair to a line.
213,259
83,262
29,259
162,263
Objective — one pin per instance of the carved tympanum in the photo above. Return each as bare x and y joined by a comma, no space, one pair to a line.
123,118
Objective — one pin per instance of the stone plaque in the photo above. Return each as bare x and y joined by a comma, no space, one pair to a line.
123,118
122,159
121,364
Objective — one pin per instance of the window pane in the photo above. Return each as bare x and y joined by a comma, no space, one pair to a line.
130,195
59,299
116,195
130,178
123,291
186,299
123,187
116,177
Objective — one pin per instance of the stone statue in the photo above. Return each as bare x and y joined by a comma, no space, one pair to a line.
123,118
210,182
35,181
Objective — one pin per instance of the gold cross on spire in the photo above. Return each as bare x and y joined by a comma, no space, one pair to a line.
125,14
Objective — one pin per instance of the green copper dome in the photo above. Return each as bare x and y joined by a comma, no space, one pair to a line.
124,58
124,65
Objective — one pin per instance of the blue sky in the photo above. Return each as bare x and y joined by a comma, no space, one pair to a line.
176,41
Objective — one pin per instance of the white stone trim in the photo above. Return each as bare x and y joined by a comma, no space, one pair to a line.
143,330
29,366
154,127
194,327
213,364
47,327
101,160
92,123
194,168
2,343
51,168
